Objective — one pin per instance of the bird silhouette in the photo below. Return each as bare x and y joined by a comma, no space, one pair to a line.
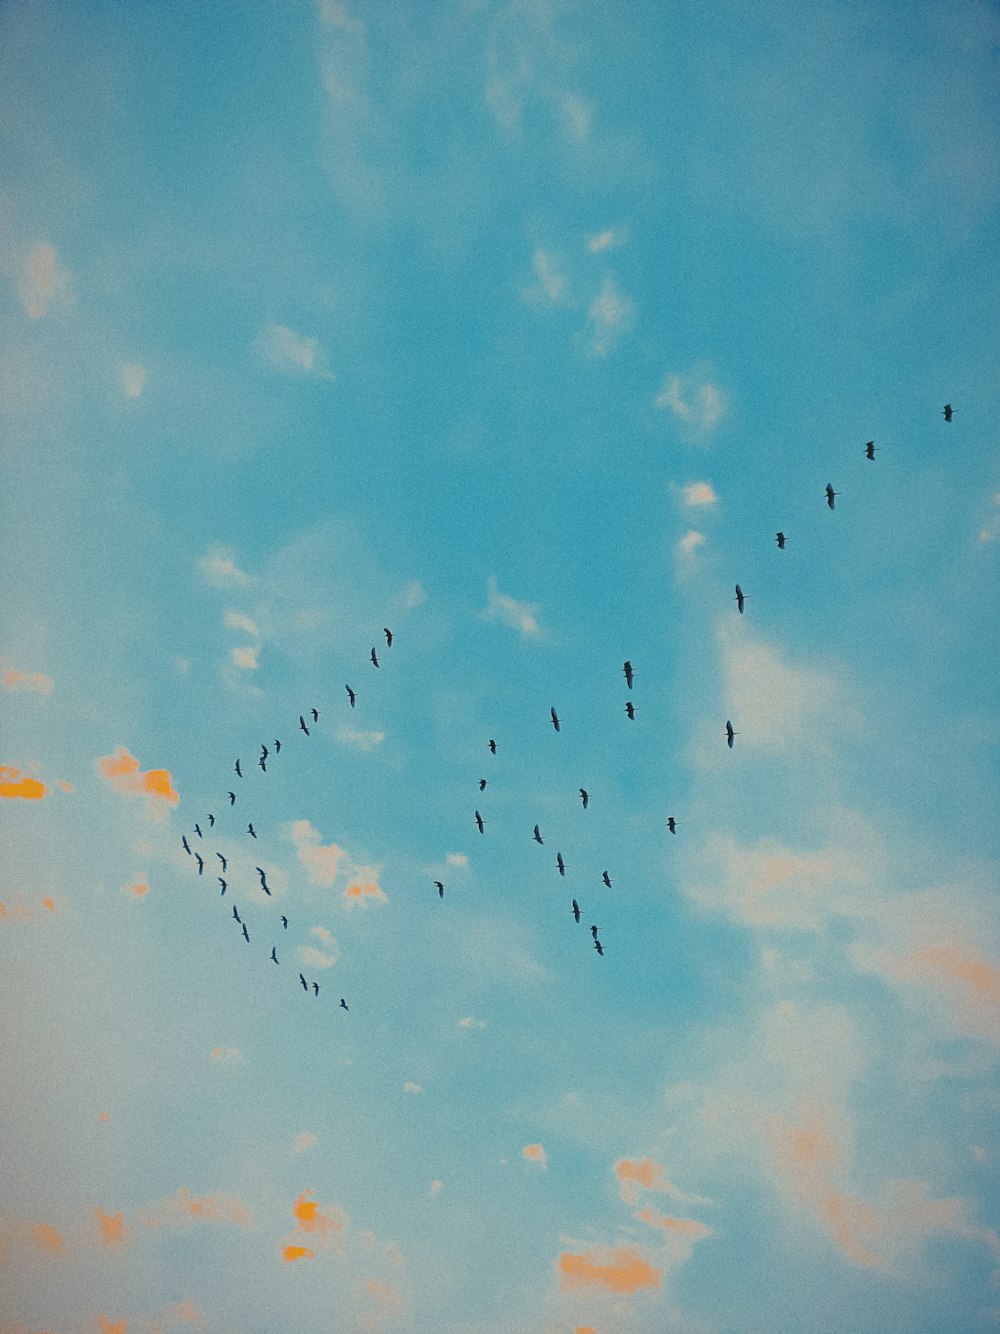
576,911
479,822
315,714
730,734
236,915
594,930
374,658
343,1003
740,599
305,984
388,636
482,784
560,863
211,821
598,947
870,450
672,824
277,746
264,752
251,831
274,954
224,884
239,773
197,830
350,695
831,494
606,878
493,746
315,988
224,860
232,798
246,933
201,862
263,763
585,797
284,921
628,674
947,411
263,881
185,844
440,889
555,719
780,539
630,709
302,725
537,836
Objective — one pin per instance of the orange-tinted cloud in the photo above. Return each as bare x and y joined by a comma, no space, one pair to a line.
177,1313
104,1116
320,861
310,1218
683,1227
123,773
585,1329
43,280
635,1176
15,784
47,1238
37,682
967,968
305,1139
112,1326
111,1227
183,1210
49,904
139,890
534,1153
364,892
620,1269
292,1253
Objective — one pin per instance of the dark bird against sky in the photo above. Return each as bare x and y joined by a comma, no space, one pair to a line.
223,883
870,450
374,658
315,714
232,798
284,921
305,984
302,725
239,774
606,878
537,835
350,695
729,734
440,889
555,719
672,824
493,746
630,709
274,954
343,1003
251,831
947,410
200,860
479,822
223,860
186,845
599,947
560,863
780,539
740,599
831,495
576,911
388,636
628,673
585,797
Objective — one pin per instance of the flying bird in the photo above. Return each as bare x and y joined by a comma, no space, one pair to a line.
630,709
274,954
598,947
606,878
302,725
628,674
780,539
585,797
211,821
236,915
224,884
264,752
482,784
246,933
277,745
224,861
594,930
388,636
239,774
197,830
947,412
251,831
232,798
730,734
672,824
870,450
555,719
493,746
479,822
263,763
305,984
263,881
830,494
560,863
201,862
343,1003
315,714
284,921
374,658
315,988
350,695
576,911
440,889
537,836
185,844
740,599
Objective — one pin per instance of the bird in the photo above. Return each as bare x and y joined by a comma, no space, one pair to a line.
560,863
274,954
264,752
223,883
232,798
350,695
236,915
585,797
263,881
246,933
493,746
628,674
239,774
479,822
555,719
672,824
730,734
482,784
598,947
197,830
263,763
315,714
537,836
185,844
251,831
388,636
374,658
780,539
594,930
211,821
740,598
284,921
315,988
606,878
201,862
440,889
630,709
277,745
830,494
305,984
224,860
870,450
343,1003
576,911
947,410
302,725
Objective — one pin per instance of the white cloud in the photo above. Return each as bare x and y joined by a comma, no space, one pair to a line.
610,316
218,567
991,530
471,1022
181,666
133,379
238,620
410,1087
289,353
608,239
551,286
311,957
305,1139
518,615
245,656
413,595
43,281
697,494
457,859
321,861
694,401
353,736
690,542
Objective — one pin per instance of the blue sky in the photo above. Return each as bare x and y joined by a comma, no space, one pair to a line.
519,328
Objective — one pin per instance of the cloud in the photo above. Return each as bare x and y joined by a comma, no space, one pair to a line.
320,862
410,1087
610,316
305,1139
620,1269
353,736
139,889
534,1153
551,286
698,494
292,1253
437,1187
245,657
283,350
457,859
412,595
15,784
183,1210
133,379
218,567
608,239
226,1055
509,611
17,911
991,530
313,958
311,1219
238,620
111,1228
36,682
690,542
697,403
122,771
47,1238
363,893
109,1326
637,1175
177,1313
470,1021
43,281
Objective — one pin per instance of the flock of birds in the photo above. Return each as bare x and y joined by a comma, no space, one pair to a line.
266,754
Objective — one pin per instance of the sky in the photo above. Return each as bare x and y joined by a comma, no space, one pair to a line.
520,328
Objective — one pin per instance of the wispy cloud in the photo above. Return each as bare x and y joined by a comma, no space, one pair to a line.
311,957
15,784
689,543
645,1174
694,400
520,616
238,620
321,862
305,1139
44,281
184,1210
133,379
121,770
411,1087
610,316
990,531
551,285
364,891
534,1153
36,682
218,567
354,736
608,239
286,352
698,494
621,1269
